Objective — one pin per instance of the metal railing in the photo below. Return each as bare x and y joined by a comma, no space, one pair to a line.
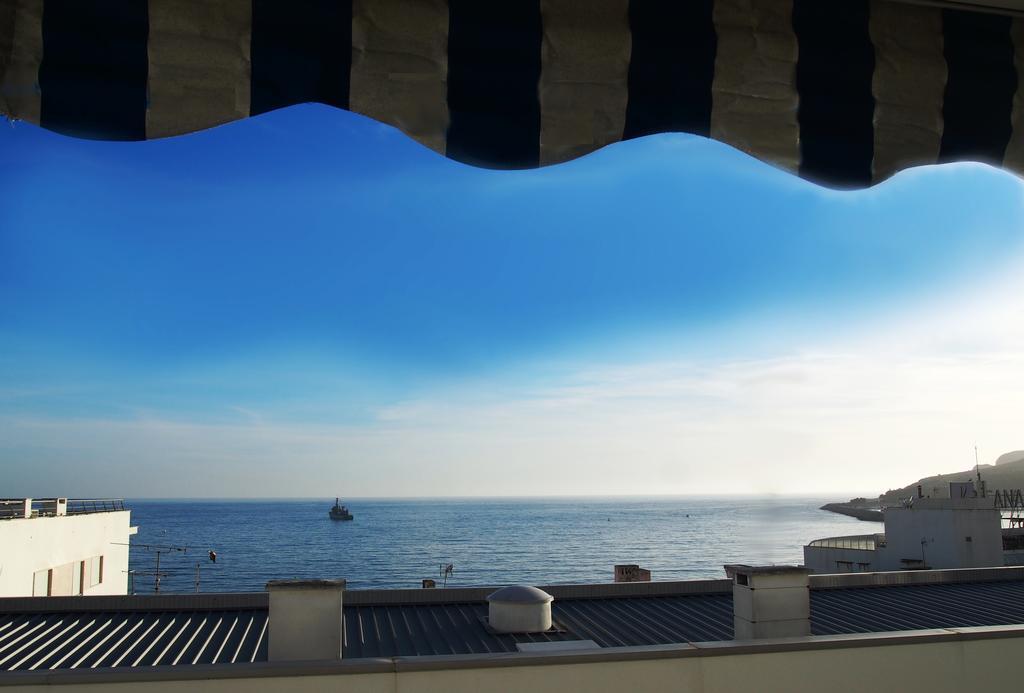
12,508
859,542
85,506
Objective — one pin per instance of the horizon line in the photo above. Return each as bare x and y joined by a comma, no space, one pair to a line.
766,496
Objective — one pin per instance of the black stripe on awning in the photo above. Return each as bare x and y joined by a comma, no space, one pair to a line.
671,68
980,88
94,68
494,56
833,79
301,52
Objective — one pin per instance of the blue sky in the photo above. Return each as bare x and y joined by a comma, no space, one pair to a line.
311,290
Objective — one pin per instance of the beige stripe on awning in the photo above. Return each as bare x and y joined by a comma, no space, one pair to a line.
21,52
754,92
1014,158
909,86
584,76
199,65
400,66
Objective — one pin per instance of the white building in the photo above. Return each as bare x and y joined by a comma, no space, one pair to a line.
60,547
962,531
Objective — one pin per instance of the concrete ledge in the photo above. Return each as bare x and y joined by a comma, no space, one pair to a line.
522,659
213,601
830,642
989,632
196,672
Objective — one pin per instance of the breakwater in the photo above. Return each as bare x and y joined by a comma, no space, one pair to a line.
861,513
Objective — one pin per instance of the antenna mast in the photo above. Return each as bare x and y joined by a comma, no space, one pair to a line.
159,550
446,570
977,473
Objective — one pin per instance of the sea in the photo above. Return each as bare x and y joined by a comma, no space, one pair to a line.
396,543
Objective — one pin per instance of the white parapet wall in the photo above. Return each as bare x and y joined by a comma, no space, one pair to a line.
65,555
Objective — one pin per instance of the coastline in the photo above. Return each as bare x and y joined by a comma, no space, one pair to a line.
850,510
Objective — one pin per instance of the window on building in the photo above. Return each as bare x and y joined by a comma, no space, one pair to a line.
41,583
76,577
844,566
62,579
93,571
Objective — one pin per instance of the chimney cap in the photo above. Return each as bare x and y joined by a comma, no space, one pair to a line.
520,594
743,569
305,584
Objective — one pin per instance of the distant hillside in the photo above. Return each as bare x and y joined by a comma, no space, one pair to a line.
1005,475
1015,456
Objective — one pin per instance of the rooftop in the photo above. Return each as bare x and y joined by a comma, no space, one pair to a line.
176,630
24,508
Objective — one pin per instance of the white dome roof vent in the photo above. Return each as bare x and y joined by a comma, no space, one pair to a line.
519,609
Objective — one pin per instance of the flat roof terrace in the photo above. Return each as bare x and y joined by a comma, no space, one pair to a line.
26,508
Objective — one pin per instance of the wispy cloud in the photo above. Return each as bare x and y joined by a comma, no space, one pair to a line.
906,395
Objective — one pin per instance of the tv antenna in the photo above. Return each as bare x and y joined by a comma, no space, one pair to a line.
213,559
446,569
924,542
159,550
977,473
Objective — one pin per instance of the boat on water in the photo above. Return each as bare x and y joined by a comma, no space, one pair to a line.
339,512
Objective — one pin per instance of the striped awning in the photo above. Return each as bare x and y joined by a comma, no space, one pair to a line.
842,92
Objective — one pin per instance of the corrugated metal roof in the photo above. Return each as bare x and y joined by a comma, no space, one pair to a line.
460,628
130,638
184,629
877,609
432,629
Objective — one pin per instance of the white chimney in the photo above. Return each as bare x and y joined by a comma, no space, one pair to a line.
306,620
519,609
770,601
